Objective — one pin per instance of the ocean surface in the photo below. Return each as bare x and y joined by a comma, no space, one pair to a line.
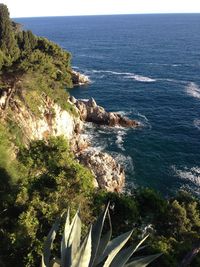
146,67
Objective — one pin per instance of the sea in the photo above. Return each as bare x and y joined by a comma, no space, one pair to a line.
145,67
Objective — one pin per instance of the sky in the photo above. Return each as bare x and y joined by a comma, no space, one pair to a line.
38,8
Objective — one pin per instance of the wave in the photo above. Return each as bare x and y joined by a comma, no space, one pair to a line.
120,139
196,123
124,113
191,176
141,78
193,89
143,120
84,99
125,161
127,75
112,72
75,67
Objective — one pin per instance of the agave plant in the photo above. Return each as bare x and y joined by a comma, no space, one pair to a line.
96,249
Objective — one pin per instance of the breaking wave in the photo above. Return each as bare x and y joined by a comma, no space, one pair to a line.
141,78
125,161
191,177
193,89
127,75
120,139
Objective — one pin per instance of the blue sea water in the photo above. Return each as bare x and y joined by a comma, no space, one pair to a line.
148,68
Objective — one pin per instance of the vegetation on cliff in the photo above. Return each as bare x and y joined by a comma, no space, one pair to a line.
30,63
39,181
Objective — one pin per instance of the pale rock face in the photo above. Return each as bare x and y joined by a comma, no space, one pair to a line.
108,173
53,121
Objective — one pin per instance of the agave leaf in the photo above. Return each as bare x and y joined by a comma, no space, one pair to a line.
73,242
115,246
124,255
143,261
55,263
142,247
96,235
42,262
48,244
140,243
65,240
103,241
83,255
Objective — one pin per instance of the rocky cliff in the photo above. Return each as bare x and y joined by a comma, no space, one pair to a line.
54,121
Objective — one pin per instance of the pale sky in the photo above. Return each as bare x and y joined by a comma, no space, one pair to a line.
37,8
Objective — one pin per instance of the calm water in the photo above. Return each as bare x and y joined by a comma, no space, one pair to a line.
147,67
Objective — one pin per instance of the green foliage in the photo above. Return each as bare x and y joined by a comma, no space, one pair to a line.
53,179
22,53
27,41
36,85
95,249
8,162
8,43
46,58
173,223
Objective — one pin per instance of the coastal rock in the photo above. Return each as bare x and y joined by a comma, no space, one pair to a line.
78,144
72,99
91,112
52,121
108,173
79,79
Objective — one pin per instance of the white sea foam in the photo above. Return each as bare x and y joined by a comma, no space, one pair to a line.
190,175
125,161
120,139
111,72
124,113
196,123
84,99
127,75
193,89
141,78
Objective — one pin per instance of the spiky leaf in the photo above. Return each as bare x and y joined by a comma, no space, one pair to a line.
122,257
48,244
73,242
115,246
96,235
65,240
143,261
103,242
83,256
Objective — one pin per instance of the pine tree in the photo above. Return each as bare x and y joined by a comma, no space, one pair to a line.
8,43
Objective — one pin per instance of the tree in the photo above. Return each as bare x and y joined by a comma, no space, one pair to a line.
8,42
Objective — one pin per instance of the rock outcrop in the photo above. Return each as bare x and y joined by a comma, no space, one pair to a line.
91,112
54,121
79,79
108,173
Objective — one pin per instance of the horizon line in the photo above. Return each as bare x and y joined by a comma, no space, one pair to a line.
92,15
